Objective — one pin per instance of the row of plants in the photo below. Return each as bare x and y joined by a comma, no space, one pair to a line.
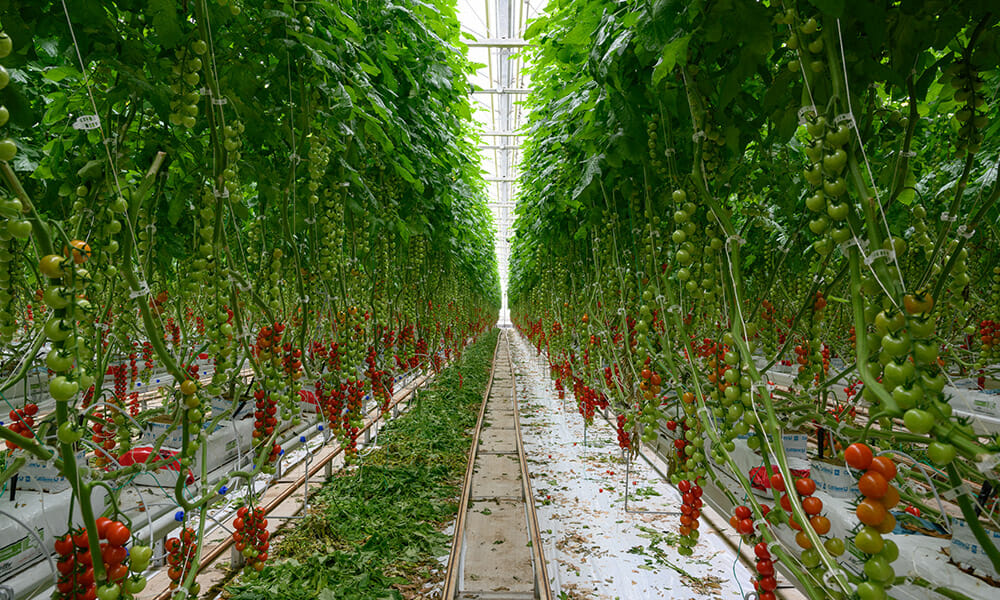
721,190
262,202
375,531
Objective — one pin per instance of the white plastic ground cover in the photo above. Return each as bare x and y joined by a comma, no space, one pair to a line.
594,549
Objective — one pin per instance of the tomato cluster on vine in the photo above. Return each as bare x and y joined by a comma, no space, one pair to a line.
251,536
690,516
21,422
77,580
181,554
879,496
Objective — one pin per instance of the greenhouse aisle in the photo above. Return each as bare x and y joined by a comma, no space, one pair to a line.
594,548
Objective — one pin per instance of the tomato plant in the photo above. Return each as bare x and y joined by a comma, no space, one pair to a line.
805,244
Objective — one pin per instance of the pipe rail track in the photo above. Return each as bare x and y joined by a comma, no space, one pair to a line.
459,583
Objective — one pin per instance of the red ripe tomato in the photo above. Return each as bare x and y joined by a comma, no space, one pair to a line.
87,577
820,524
237,536
84,558
80,539
240,546
65,587
118,534
734,522
688,499
805,486
778,482
858,456
785,502
743,512
114,554
873,485
760,551
66,566
90,593
768,584
64,545
694,514
765,568
745,527
684,486
685,509
238,524
767,596
696,491
117,573
885,466
262,557
102,527
812,505
241,512
172,545
174,574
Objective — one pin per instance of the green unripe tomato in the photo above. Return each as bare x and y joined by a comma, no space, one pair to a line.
941,453
69,433
62,389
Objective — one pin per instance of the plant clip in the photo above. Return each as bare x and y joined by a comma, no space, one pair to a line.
887,254
948,217
143,290
965,232
959,490
844,117
805,112
87,122
908,154
179,516
698,135
219,101
988,462
734,238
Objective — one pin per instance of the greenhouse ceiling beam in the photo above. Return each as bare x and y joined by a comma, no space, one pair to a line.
499,147
497,43
502,91
501,179
501,133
